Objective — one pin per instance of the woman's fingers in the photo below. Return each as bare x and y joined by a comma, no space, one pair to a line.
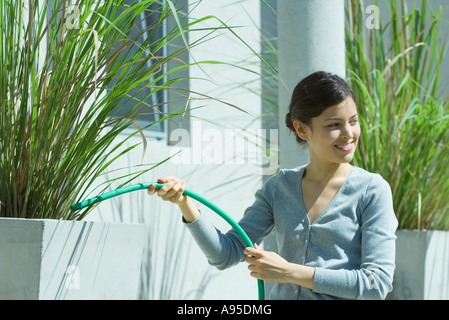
162,192
169,190
151,189
253,252
172,190
252,255
167,179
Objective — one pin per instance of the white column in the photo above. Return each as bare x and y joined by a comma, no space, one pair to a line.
310,38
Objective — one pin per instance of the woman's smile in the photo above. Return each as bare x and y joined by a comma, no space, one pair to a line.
348,146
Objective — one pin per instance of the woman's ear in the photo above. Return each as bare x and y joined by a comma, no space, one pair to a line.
301,129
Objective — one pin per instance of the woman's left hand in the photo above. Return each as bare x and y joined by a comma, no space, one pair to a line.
267,265
271,267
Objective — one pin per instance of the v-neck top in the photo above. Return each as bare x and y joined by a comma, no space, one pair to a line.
351,244
302,194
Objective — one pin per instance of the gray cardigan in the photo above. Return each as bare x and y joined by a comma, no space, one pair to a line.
351,244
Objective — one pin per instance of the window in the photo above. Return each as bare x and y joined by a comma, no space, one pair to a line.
157,99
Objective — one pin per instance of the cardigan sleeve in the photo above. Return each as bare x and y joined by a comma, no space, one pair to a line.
378,223
226,250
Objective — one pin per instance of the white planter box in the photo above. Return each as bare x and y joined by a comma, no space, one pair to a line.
422,265
56,259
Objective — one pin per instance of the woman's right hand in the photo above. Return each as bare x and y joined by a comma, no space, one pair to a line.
171,191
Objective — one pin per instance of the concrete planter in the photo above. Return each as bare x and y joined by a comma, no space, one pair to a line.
56,259
422,265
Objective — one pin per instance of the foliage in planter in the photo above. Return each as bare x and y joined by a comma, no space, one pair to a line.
57,130
395,71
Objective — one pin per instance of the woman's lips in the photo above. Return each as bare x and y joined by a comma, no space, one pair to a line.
346,146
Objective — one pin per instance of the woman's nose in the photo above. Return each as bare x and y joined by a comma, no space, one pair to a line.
347,131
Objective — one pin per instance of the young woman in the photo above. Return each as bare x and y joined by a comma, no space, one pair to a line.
335,224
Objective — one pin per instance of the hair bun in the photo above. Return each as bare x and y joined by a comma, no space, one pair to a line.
289,121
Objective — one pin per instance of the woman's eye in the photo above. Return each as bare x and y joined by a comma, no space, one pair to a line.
338,124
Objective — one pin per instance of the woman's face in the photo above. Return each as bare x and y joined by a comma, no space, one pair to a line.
333,135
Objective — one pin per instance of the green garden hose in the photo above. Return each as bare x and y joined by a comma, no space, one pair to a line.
210,205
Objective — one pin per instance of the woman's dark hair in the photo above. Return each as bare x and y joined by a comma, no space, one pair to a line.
313,95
